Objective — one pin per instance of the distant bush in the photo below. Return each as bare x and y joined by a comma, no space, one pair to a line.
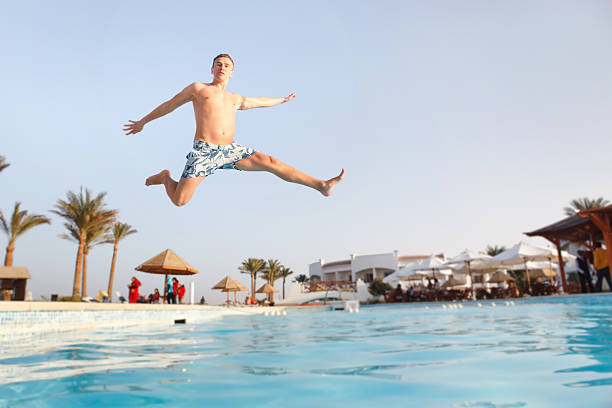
379,288
69,299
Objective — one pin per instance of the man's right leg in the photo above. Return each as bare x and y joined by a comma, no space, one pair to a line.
179,192
599,280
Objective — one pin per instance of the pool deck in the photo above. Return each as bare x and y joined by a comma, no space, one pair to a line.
16,306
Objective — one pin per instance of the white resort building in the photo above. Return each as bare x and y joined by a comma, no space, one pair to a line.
364,267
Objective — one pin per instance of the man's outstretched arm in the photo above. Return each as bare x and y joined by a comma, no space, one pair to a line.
249,102
186,95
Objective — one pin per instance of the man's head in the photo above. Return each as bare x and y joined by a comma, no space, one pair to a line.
222,67
597,244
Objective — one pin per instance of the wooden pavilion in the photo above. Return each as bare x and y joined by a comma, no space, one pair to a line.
13,279
584,227
602,218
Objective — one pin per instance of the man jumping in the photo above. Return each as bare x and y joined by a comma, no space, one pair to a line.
213,146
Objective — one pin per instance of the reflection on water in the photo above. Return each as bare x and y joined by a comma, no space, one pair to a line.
539,352
70,354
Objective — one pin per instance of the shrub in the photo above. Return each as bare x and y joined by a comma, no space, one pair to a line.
379,288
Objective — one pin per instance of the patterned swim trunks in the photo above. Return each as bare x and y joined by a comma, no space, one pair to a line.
206,157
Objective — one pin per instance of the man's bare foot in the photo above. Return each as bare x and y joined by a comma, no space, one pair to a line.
328,186
157,178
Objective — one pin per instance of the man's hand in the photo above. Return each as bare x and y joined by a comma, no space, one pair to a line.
288,98
133,127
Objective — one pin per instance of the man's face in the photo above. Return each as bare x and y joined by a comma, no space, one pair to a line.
222,68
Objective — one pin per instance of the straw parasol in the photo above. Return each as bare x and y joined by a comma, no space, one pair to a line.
455,281
542,273
167,263
500,276
268,289
228,285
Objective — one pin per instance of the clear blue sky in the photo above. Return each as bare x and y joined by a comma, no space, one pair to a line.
460,124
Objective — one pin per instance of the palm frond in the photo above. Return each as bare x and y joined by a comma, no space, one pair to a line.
21,222
3,163
584,203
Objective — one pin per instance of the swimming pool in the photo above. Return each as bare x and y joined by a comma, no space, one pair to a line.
544,352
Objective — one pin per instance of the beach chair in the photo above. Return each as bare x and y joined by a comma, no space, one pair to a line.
120,298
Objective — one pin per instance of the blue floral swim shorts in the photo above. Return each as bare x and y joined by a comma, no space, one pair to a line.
206,157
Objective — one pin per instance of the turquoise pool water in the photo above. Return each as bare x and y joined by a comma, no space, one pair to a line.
553,352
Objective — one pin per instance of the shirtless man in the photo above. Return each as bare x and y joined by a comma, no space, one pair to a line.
213,148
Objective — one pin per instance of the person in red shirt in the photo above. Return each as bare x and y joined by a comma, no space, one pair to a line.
175,288
133,287
181,293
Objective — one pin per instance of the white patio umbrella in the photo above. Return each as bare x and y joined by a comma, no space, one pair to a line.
408,271
522,253
432,265
533,265
466,258
392,279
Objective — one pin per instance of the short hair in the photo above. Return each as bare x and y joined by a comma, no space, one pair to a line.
223,55
597,244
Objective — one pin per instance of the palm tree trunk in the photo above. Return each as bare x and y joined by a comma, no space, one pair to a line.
8,257
252,285
76,286
84,284
283,288
112,272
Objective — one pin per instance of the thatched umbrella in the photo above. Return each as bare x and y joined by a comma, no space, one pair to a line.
454,281
500,276
167,263
267,289
228,285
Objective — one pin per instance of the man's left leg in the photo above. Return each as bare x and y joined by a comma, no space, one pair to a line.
606,276
263,162
179,192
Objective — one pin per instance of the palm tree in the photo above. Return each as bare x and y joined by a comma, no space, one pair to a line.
584,203
20,223
3,163
95,236
301,278
83,213
271,273
120,231
493,250
252,266
284,273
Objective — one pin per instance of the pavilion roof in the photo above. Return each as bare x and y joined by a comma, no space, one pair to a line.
573,228
601,210
14,272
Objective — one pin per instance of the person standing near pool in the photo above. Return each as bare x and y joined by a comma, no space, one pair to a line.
584,271
214,148
600,261
175,290
169,291
133,287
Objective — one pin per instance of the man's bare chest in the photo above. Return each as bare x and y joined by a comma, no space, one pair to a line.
215,102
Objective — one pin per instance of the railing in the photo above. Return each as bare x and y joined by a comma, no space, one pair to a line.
324,286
